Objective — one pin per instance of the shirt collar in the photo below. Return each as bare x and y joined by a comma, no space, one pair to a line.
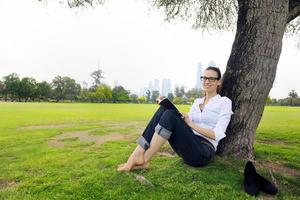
212,99
216,97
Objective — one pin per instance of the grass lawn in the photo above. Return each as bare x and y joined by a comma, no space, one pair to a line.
71,151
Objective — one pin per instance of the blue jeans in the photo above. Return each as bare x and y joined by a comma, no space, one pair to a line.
193,149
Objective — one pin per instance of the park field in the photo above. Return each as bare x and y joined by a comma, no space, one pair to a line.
71,151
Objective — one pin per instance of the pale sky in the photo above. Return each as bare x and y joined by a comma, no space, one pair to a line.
132,45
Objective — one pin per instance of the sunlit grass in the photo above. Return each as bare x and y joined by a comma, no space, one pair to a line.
30,168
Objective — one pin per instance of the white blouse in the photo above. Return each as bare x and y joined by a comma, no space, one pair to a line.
215,115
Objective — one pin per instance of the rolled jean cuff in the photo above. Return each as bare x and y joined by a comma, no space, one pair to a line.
163,132
143,143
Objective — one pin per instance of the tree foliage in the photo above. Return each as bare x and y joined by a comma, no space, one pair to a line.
148,96
142,99
43,90
292,100
134,98
12,86
119,94
154,95
65,88
102,94
194,93
97,75
293,94
170,96
2,87
58,86
27,88
206,14
180,91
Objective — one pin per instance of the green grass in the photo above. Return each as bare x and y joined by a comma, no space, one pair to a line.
32,168
278,136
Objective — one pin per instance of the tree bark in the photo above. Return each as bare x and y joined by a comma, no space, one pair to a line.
251,70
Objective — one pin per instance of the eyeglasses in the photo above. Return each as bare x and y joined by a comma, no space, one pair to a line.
209,79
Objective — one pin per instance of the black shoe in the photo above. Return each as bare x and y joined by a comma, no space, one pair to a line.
251,185
266,186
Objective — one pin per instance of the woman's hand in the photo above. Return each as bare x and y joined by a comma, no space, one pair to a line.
159,99
206,132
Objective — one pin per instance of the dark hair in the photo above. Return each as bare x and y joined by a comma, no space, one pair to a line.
216,69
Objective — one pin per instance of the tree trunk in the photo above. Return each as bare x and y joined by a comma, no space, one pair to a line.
251,70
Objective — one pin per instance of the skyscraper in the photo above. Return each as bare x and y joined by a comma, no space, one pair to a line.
211,64
199,73
166,87
156,85
116,83
143,91
150,86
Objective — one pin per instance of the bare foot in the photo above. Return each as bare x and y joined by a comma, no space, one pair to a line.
135,159
143,166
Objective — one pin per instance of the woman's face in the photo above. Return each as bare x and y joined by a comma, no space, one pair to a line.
210,82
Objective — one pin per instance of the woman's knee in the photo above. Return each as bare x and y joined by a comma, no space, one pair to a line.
168,117
165,125
169,113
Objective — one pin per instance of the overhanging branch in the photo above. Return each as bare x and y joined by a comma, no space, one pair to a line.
80,3
217,14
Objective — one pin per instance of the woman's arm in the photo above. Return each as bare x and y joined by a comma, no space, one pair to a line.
204,131
218,132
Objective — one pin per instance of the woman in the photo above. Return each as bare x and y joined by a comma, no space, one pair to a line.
195,137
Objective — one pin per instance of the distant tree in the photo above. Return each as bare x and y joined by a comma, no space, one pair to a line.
134,98
58,85
43,90
65,88
84,85
142,99
297,101
103,93
268,100
27,88
283,102
194,93
119,94
84,95
154,95
274,101
170,96
2,88
12,86
180,92
72,89
97,75
148,96
179,100
85,92
292,98
293,94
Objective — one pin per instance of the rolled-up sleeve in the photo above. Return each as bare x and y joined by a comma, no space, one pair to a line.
223,119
